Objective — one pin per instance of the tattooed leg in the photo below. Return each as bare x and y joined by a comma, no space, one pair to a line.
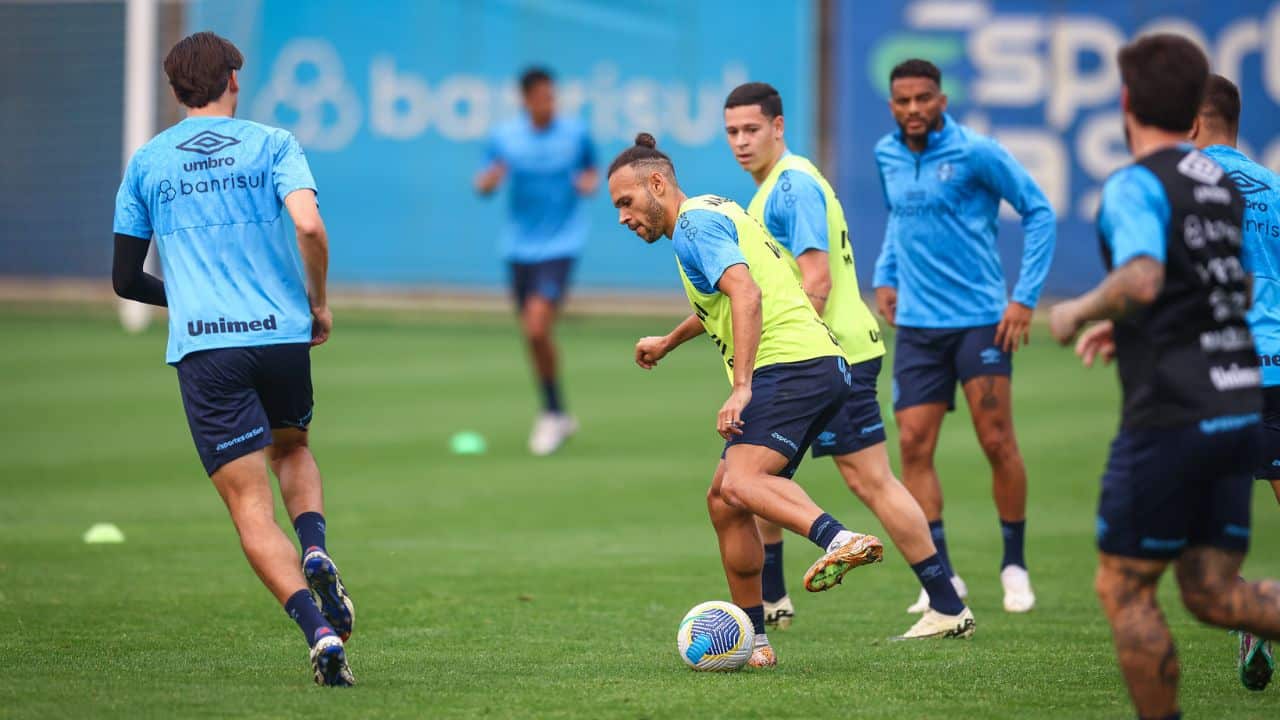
991,407
1144,646
1214,592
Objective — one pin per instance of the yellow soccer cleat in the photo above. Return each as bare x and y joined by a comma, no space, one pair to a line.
830,569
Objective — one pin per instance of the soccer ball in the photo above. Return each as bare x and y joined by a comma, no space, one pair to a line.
715,636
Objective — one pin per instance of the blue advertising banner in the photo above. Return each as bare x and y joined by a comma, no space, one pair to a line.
1041,78
394,101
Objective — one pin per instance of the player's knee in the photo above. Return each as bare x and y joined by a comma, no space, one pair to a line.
1208,603
998,442
916,446
731,486
283,447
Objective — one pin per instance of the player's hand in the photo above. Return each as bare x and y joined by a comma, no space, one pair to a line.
1097,342
887,304
729,421
586,182
1063,323
321,324
488,180
649,350
1014,329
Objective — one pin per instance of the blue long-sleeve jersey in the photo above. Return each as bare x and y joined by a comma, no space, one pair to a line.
940,243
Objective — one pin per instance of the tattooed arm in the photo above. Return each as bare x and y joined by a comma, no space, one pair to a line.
1133,285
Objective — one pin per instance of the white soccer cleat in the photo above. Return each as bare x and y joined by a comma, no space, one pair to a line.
550,431
1018,597
922,600
934,624
329,663
763,657
779,614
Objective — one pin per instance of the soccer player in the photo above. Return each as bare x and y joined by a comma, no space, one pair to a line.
1177,486
797,206
1215,132
551,163
242,320
938,280
788,373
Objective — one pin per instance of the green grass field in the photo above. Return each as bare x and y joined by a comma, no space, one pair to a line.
508,586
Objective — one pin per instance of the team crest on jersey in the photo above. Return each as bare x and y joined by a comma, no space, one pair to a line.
207,142
946,171
1245,184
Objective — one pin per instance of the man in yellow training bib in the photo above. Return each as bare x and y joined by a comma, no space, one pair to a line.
796,204
788,373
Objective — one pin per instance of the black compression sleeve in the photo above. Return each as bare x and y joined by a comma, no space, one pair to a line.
127,275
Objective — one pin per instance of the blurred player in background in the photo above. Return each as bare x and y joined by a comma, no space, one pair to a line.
242,320
788,373
551,165
797,206
938,280
1215,132
1178,482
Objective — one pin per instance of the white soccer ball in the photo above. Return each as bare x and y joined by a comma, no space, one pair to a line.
716,636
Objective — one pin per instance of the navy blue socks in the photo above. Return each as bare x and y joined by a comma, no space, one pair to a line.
940,542
551,396
304,612
756,613
824,530
936,581
310,529
772,580
1014,541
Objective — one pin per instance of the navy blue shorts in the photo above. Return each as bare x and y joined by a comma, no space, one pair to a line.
235,397
547,279
928,362
857,424
1269,465
790,404
1166,489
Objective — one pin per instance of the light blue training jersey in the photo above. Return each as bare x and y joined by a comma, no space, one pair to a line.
940,242
211,190
1261,190
547,218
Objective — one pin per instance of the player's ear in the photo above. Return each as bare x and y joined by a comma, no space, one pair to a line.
944,101
1195,129
657,183
779,125
233,82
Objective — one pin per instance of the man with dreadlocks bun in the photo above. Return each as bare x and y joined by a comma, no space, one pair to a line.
788,373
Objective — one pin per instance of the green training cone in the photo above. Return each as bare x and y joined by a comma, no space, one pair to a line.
103,533
467,443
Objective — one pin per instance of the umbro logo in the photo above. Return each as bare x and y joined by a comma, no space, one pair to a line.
1245,184
208,142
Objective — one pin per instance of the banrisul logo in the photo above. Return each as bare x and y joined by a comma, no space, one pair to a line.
221,326
207,142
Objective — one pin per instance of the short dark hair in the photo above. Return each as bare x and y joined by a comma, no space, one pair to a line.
534,76
1165,76
756,93
1222,101
646,153
915,67
199,68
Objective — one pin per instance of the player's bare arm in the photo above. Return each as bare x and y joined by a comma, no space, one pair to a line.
651,349
744,300
313,244
587,181
1135,284
490,178
815,276
887,304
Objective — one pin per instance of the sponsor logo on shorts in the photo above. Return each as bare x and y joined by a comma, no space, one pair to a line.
223,325
787,441
1102,527
1234,530
871,428
992,356
1227,423
1150,543
237,440
827,438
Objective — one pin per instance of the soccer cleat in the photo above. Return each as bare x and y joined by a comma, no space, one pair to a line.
922,601
1256,662
763,657
934,624
1018,597
329,592
329,663
831,568
550,431
779,614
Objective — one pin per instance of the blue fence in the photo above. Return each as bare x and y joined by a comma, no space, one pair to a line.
1041,77
393,102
